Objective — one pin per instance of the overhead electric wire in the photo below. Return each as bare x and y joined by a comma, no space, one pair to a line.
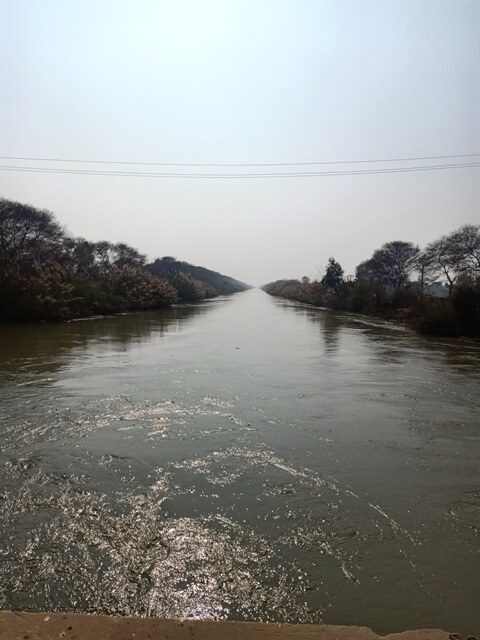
293,174
246,164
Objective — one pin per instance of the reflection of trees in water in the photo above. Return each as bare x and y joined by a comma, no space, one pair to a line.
457,353
395,343
392,342
36,348
330,323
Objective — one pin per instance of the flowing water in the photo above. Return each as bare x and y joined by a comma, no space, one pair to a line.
243,458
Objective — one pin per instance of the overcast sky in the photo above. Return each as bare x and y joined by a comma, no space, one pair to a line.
244,81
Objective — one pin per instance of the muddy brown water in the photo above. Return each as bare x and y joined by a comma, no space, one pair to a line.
243,458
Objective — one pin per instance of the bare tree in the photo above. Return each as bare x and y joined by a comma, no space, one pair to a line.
442,255
390,266
428,270
26,233
457,255
465,248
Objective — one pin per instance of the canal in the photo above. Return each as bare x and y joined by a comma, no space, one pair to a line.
243,458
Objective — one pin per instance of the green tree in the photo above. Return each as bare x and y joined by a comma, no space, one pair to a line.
333,277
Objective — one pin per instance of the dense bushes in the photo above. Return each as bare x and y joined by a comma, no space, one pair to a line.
437,321
48,275
189,289
466,306
309,292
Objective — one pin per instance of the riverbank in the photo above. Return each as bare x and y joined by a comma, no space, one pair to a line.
47,626
47,275
455,316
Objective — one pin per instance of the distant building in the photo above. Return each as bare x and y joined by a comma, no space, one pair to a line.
434,289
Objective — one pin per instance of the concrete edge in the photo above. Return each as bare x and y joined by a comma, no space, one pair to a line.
75,626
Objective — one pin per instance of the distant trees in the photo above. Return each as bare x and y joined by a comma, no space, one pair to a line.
95,260
383,284
170,268
308,292
454,258
46,274
109,277
190,289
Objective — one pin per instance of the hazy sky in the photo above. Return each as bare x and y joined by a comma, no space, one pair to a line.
244,81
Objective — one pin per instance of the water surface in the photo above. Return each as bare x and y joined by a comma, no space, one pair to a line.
243,458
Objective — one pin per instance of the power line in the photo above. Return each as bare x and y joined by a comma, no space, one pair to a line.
293,174
247,164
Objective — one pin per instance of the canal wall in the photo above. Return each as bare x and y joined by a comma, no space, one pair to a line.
56,626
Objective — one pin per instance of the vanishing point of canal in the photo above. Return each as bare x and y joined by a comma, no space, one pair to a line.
243,458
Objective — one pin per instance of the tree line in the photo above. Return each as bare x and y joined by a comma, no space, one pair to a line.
436,290
46,274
